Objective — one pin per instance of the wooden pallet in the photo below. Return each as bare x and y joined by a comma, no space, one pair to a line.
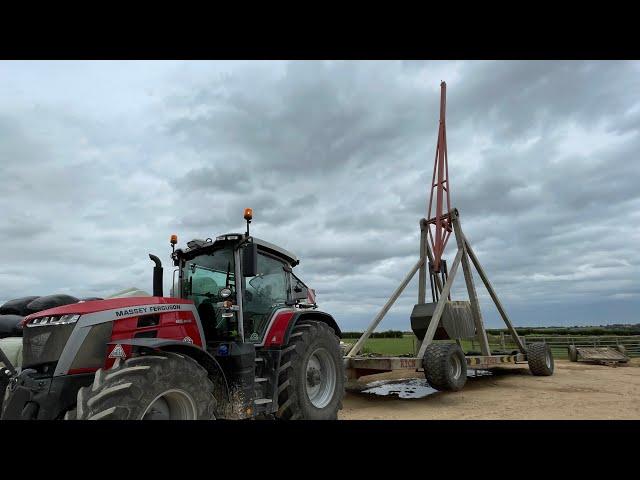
604,355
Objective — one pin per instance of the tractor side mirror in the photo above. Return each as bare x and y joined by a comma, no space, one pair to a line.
250,260
299,292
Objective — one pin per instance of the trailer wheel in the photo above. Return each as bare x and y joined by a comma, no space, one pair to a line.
311,377
163,386
540,359
445,366
573,353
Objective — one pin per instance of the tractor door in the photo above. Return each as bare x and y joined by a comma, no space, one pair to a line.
265,293
203,278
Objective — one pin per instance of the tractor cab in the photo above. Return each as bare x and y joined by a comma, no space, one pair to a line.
237,283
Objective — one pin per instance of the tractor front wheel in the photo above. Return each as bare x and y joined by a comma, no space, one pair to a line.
311,376
166,386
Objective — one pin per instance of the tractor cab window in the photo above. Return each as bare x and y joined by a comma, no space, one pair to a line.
264,293
203,278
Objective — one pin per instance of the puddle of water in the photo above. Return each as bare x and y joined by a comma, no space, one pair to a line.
411,387
403,388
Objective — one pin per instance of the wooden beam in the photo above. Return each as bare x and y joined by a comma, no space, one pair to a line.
493,294
481,333
437,313
374,323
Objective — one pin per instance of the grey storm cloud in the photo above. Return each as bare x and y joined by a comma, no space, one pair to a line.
101,163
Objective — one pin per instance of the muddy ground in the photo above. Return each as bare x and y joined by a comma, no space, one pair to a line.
575,391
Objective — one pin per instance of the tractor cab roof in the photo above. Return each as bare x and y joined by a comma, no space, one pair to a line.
196,244
278,251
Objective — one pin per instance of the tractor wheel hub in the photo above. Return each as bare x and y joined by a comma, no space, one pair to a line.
313,377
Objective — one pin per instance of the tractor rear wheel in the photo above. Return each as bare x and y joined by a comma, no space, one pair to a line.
540,359
163,386
311,376
573,353
445,366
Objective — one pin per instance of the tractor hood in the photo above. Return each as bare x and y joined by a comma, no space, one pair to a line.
83,308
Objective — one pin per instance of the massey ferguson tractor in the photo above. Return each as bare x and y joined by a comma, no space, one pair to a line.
240,337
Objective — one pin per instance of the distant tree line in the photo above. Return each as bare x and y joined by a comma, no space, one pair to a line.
385,334
587,331
599,330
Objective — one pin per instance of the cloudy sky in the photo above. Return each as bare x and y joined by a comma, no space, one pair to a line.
101,161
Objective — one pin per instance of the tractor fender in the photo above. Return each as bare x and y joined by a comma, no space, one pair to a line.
316,315
197,353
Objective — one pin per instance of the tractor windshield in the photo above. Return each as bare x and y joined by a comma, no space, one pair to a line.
203,278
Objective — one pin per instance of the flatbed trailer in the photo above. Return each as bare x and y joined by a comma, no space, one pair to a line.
444,323
362,366
601,355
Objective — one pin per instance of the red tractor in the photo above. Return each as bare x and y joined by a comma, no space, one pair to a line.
239,337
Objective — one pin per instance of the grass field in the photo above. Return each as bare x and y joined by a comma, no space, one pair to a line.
388,346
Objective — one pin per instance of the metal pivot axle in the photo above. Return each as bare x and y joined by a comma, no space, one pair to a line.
463,255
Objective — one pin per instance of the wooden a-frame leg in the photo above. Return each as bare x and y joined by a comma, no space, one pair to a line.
493,295
481,333
374,323
435,319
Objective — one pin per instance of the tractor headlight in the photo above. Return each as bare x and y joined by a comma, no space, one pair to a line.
54,320
64,319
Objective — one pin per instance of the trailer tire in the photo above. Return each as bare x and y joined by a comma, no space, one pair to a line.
50,301
311,377
445,366
540,359
150,387
10,325
573,353
18,306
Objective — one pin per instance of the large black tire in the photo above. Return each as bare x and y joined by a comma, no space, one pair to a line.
10,325
573,353
50,301
445,366
127,391
18,306
540,359
311,342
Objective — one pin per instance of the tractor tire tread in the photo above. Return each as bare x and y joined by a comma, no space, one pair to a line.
121,392
292,400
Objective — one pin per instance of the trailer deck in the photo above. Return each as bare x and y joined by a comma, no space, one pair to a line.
360,366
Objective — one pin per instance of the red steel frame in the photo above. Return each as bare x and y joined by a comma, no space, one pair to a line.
439,226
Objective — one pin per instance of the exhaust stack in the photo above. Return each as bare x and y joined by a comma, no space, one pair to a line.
157,276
